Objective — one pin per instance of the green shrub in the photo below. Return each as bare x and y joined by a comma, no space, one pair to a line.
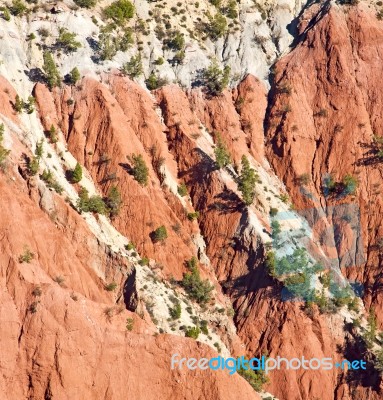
85,3
143,261
215,79
75,75
159,61
193,215
108,45
275,229
3,151
196,288
52,134
120,11
51,182
140,170
129,324
256,378
33,165
93,204
175,312
222,155
27,256
369,335
217,26
6,14
52,74
273,211
350,184
175,41
76,174
130,246
67,41
193,332
160,234
19,104
182,190
325,279
247,181
270,263
304,179
155,82
111,287
230,10
133,68
17,8
113,202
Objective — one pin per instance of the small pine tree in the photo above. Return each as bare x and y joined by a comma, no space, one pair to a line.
75,75
133,68
222,156
52,134
247,181
19,104
113,201
3,151
215,79
85,3
6,14
160,234
52,74
140,170
76,175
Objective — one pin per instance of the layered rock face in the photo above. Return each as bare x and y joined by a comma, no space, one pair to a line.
84,317
323,120
63,334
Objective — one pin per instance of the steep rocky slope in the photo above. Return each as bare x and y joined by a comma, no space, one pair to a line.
75,289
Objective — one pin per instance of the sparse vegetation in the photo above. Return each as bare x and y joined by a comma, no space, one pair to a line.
4,153
27,256
52,74
17,8
75,75
193,332
113,201
133,68
175,312
129,324
111,287
350,184
255,378
67,41
155,82
193,215
160,234
120,11
182,190
51,182
215,79
196,288
85,3
247,180
222,155
93,204
216,27
140,170
76,174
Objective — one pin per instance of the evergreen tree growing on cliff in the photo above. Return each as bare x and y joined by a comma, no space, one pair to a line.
247,181
140,170
52,74
222,156
113,201
76,174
